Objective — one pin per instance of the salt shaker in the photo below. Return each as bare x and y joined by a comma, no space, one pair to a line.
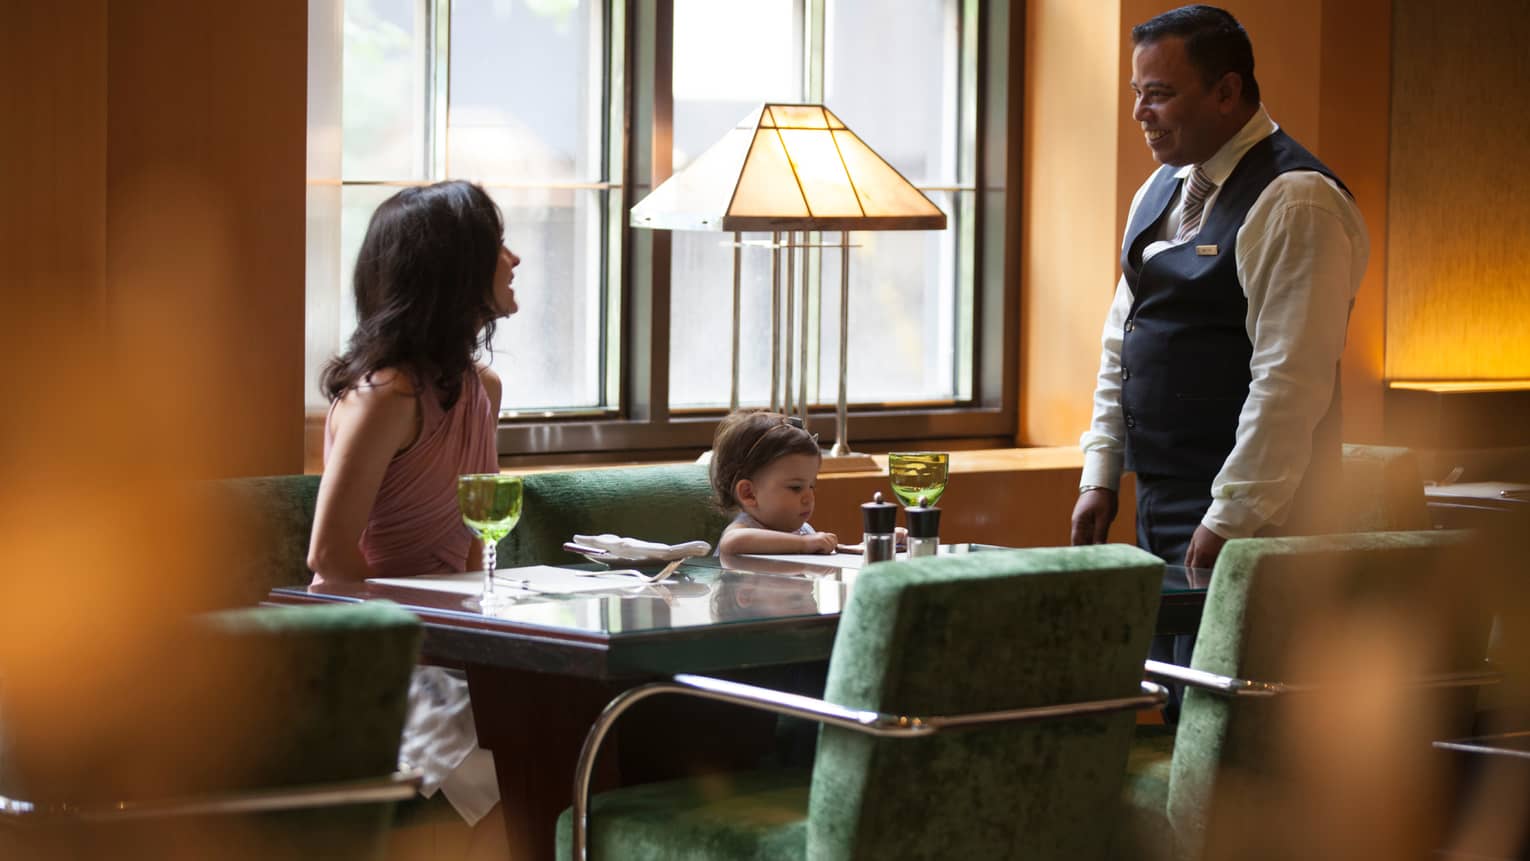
923,529
879,519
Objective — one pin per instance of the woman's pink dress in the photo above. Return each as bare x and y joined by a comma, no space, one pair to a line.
415,526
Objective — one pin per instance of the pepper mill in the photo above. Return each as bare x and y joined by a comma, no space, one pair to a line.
878,518
923,529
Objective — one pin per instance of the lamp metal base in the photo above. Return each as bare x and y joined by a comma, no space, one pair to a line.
848,462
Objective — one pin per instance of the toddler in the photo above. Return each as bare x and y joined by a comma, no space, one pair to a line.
765,467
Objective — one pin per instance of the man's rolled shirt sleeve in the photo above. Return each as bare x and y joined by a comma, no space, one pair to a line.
1301,254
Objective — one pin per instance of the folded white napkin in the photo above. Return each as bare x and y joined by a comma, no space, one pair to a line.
635,549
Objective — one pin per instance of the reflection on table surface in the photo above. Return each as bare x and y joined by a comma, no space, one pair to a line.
1180,578
705,591
700,593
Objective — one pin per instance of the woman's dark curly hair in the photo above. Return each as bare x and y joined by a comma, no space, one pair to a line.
424,289
747,442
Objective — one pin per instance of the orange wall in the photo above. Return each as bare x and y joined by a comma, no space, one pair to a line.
206,167
158,209
53,158
1459,294
1321,69
1073,109
1009,497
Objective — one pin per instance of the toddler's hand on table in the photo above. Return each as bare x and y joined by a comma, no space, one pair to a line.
820,542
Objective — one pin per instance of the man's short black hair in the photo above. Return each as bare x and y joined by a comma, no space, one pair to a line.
1214,41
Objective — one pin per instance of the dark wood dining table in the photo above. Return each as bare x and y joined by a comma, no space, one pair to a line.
540,667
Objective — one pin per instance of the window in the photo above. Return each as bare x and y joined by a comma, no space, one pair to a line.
512,94
566,111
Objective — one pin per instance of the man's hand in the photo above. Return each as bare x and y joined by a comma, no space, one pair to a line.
1205,545
1092,515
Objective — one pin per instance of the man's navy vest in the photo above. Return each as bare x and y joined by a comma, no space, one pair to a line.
1185,349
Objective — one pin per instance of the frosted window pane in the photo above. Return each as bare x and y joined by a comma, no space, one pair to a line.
385,90
700,340
729,56
892,79
549,353
902,314
525,91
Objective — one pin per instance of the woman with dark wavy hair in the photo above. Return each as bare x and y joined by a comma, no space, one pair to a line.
412,408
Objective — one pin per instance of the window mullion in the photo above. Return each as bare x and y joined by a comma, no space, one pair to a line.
813,40
438,87
645,304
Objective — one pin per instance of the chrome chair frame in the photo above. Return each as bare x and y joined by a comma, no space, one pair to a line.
1481,745
394,787
879,724
1229,686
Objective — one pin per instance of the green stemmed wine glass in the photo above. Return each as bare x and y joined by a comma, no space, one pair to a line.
491,506
918,473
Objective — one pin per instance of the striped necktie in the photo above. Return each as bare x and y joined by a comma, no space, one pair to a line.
1197,187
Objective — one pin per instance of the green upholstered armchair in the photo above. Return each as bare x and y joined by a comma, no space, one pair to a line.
977,707
1264,594
1383,490
268,732
669,503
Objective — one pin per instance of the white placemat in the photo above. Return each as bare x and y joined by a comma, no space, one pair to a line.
537,578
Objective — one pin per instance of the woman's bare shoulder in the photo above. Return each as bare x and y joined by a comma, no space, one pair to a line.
384,400
491,383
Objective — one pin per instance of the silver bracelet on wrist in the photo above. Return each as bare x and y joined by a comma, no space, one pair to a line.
1088,487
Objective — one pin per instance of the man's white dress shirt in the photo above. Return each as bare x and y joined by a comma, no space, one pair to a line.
1301,253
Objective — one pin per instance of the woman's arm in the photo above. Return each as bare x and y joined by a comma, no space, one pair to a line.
746,539
371,425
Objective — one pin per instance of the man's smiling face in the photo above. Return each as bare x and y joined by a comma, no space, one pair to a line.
1183,121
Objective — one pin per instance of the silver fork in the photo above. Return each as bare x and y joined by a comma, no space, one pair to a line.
660,576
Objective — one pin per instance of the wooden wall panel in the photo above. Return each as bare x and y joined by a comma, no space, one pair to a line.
1068,239
53,157
52,245
1353,119
205,174
1458,298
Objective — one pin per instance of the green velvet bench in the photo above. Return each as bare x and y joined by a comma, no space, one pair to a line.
977,707
1206,788
264,732
669,503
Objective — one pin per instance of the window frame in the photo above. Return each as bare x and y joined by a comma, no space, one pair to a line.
642,423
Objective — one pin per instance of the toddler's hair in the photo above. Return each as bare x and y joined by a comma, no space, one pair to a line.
747,442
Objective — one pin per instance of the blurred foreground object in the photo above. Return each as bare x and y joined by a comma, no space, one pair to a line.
276,735
1330,664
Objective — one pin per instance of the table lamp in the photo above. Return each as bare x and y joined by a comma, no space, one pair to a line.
790,168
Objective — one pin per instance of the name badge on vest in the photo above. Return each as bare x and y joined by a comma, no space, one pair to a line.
1205,251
